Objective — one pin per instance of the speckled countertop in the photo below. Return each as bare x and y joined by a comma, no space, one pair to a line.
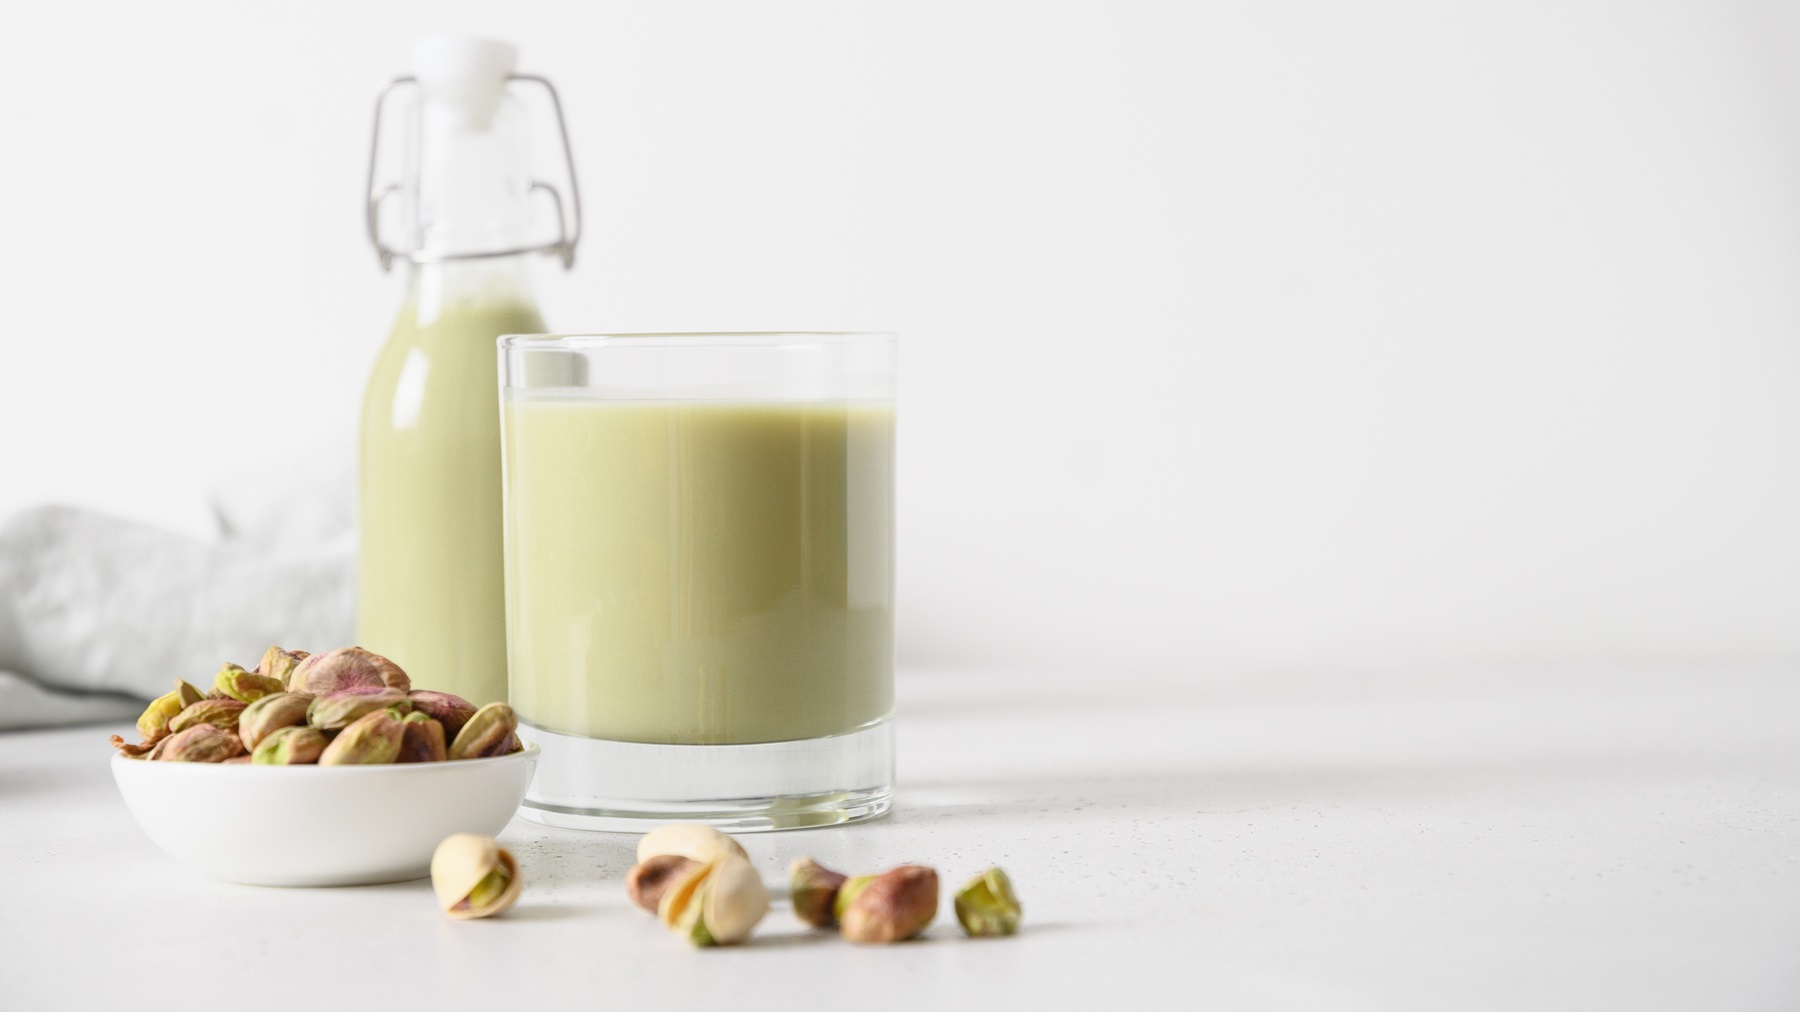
1502,840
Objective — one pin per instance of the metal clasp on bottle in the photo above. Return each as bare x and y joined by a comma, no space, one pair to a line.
568,224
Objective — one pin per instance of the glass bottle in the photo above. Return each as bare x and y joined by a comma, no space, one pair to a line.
430,588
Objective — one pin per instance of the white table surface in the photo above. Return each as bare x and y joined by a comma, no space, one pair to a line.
1510,840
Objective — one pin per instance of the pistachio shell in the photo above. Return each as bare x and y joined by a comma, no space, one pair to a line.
690,840
460,866
719,903
486,734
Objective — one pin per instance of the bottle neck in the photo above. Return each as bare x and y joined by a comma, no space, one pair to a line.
487,283
469,187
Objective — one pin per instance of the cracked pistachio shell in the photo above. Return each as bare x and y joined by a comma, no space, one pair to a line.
155,720
347,668
892,907
474,877
718,903
222,713
448,709
276,710
814,891
202,743
690,840
987,906
245,686
422,739
337,710
488,733
371,739
295,745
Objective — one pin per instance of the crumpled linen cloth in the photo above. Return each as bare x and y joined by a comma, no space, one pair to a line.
99,614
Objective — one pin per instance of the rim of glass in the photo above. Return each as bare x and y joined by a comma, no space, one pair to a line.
700,339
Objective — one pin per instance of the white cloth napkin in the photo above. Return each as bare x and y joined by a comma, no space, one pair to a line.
98,614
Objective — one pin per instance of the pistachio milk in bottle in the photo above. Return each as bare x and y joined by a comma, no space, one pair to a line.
430,588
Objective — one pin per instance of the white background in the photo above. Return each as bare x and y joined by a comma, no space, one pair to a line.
1237,337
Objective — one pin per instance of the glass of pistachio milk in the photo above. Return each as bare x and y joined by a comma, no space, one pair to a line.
699,551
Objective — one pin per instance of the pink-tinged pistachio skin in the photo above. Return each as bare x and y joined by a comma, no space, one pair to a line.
647,880
202,743
895,906
371,739
448,709
337,710
347,668
814,890
422,741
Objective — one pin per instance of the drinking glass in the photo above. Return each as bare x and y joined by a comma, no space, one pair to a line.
699,542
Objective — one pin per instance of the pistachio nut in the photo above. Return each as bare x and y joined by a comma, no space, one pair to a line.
892,906
718,903
371,739
155,720
222,713
847,892
687,839
237,760
448,709
275,710
294,745
346,668
486,733
201,743
987,905
474,877
647,880
814,891
245,686
337,710
279,664
422,739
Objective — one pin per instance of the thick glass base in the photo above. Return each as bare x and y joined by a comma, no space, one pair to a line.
629,787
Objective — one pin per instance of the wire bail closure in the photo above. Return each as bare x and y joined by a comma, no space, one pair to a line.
568,225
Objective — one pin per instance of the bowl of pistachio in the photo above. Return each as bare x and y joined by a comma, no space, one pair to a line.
372,773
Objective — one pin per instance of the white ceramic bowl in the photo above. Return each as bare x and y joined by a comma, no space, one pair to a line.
319,825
